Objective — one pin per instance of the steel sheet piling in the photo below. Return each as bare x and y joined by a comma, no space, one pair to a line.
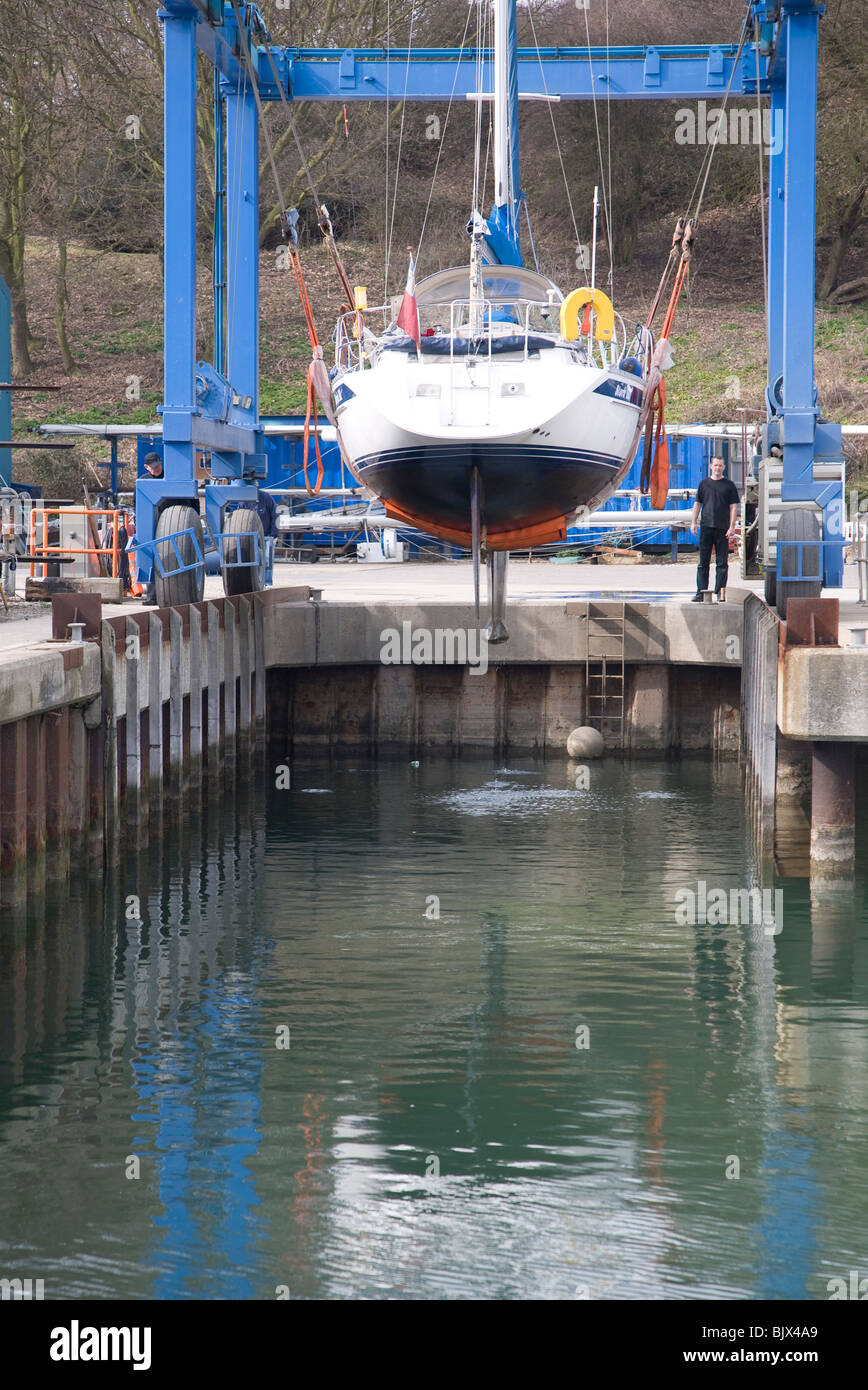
155,710
230,670
196,655
245,644
259,669
176,703
136,823
215,666
110,685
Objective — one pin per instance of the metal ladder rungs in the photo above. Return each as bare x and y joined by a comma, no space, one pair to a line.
604,671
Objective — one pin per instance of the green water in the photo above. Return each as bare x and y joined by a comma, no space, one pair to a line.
438,1032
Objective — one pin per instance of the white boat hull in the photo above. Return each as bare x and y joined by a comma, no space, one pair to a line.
548,435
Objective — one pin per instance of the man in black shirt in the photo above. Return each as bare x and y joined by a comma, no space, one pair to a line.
267,512
714,513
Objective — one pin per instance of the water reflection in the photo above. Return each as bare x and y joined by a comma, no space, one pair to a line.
437,1033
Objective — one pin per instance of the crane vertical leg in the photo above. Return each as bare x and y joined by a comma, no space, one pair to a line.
179,277
219,231
797,348
811,450
242,252
775,289
179,286
242,319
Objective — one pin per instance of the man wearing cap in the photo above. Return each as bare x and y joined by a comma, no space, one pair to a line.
153,469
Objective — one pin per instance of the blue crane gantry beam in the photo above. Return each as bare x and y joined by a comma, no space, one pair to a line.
202,409
365,74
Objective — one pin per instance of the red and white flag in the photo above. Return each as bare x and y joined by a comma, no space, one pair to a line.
408,315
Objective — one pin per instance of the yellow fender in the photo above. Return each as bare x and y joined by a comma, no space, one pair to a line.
604,324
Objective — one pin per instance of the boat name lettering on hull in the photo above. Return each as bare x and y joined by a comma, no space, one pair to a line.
620,391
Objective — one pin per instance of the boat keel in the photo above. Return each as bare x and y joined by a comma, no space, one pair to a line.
497,631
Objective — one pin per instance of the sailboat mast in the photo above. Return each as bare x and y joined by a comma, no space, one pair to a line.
500,234
502,190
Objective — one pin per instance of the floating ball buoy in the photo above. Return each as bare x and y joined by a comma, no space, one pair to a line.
585,742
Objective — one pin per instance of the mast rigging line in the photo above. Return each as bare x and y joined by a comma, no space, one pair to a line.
708,157
318,384
233,248
386,243
609,144
323,220
442,139
655,460
756,36
254,87
554,133
477,123
685,227
400,148
485,162
606,191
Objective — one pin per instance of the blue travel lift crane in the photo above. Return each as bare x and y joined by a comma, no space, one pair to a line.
215,408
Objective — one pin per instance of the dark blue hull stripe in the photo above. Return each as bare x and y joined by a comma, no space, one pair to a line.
530,455
521,484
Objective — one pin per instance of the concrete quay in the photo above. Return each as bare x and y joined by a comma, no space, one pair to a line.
96,738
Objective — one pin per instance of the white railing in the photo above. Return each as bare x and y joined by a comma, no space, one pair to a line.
356,346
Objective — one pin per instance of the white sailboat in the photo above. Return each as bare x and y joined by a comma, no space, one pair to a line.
492,408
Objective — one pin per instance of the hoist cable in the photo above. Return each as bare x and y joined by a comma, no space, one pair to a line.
708,158
762,180
322,220
254,87
609,153
554,129
683,236
442,139
386,105
606,217
232,246
400,148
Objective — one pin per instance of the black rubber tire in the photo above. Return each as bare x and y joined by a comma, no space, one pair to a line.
770,584
800,524
174,590
243,579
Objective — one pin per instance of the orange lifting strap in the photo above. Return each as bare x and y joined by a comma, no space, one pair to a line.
318,384
314,375
655,459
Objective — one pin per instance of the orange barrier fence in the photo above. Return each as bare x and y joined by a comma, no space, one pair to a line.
116,519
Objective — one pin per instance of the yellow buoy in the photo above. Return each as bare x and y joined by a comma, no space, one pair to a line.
360,297
604,322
